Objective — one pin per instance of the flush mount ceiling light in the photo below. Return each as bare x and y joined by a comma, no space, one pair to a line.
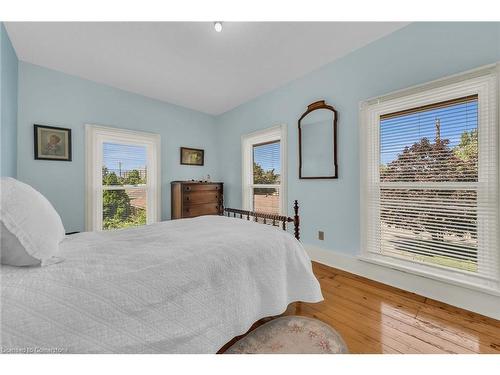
218,26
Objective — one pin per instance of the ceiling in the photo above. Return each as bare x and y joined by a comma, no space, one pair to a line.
188,63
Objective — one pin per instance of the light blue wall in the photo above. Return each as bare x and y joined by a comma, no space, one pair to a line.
8,105
52,98
416,54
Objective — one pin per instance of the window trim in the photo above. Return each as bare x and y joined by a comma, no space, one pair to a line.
268,135
485,82
95,135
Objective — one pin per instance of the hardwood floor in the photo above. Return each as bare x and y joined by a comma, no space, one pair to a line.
377,318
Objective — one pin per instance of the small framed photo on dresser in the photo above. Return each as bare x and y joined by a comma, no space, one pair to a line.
52,143
192,156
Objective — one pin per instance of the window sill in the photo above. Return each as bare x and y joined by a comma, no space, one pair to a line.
426,271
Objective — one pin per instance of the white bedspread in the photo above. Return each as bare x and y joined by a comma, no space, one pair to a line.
183,286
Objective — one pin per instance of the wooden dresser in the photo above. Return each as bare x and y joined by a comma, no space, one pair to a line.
191,199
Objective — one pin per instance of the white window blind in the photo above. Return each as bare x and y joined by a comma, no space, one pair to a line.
122,178
264,168
430,185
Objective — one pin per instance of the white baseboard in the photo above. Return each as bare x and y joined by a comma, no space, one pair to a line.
473,300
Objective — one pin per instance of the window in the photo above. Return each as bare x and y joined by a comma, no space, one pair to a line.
264,171
122,178
430,189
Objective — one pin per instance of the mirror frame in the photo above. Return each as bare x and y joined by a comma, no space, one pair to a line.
310,108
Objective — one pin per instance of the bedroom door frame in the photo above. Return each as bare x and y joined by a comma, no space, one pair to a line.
95,136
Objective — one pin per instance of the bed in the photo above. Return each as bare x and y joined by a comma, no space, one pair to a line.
182,286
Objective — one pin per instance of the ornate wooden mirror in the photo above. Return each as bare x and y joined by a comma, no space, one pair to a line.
318,142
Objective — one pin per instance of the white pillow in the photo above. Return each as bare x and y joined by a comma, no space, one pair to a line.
31,227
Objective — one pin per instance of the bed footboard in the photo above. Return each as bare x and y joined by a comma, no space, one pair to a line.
270,219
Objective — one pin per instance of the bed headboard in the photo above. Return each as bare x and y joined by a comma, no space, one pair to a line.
271,219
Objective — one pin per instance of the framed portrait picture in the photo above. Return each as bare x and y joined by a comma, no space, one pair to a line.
192,156
52,143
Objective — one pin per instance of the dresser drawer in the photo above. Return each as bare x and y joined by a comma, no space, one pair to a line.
200,197
200,209
201,187
191,199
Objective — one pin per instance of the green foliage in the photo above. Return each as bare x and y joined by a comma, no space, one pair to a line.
467,149
139,218
132,221
117,210
110,178
264,177
133,178
116,207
